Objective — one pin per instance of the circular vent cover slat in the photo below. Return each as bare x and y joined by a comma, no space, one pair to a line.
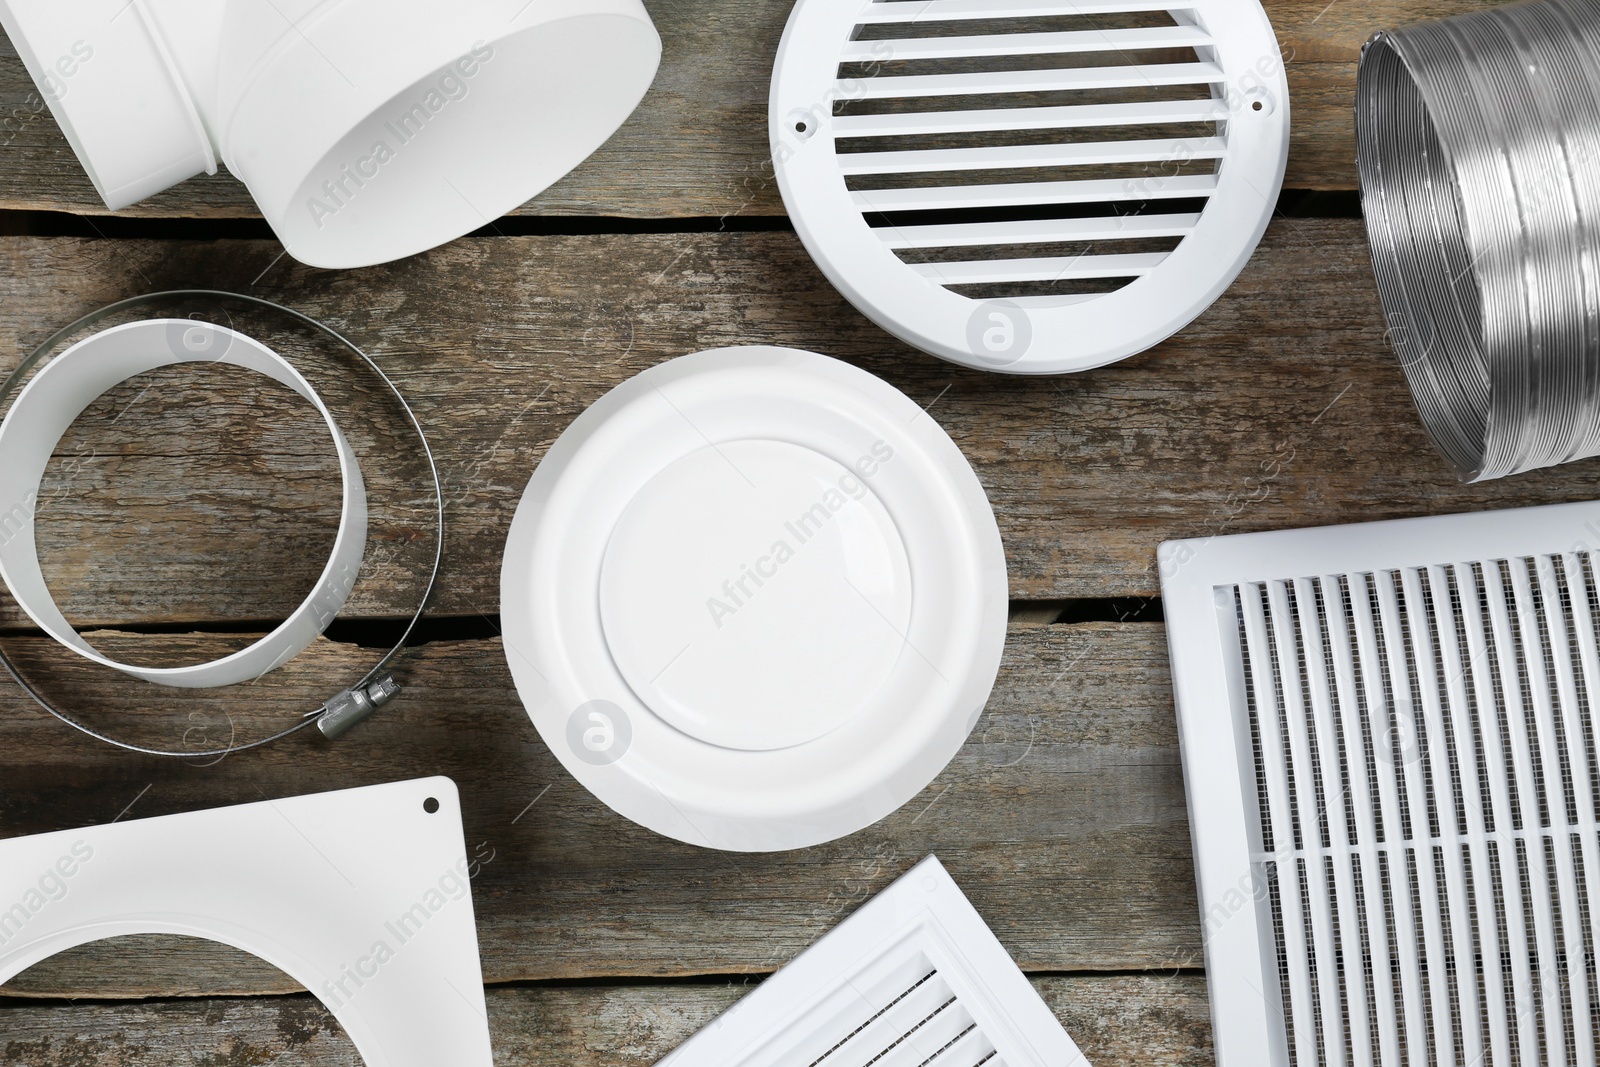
1034,186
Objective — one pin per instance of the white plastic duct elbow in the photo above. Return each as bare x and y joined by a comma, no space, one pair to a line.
366,130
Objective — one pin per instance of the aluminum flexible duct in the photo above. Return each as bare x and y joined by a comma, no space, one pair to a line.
1479,152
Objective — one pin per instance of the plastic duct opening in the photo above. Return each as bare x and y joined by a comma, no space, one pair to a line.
469,142
304,102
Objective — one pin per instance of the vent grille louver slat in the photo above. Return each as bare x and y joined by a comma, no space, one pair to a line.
1022,270
974,10
906,1017
1122,145
1055,230
1031,194
1021,156
1029,44
1424,754
1018,119
998,83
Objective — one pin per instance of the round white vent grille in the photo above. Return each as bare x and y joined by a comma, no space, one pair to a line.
1031,186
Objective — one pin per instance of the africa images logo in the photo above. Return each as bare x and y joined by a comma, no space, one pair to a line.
736,592
453,884
402,129
51,886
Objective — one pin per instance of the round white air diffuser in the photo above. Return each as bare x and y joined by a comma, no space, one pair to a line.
1031,186
754,599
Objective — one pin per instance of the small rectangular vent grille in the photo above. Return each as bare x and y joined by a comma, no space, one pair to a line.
1425,774
921,1021
1047,150
912,979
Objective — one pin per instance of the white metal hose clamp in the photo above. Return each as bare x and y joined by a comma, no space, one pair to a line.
55,398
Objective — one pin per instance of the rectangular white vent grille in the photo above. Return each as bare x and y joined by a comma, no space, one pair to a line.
1412,769
921,1020
1051,149
912,979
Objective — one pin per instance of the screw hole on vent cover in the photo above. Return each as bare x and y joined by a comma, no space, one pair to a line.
1261,102
431,805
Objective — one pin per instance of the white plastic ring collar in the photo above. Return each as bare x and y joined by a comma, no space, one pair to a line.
55,398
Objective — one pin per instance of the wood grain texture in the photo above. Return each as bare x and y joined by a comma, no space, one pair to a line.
1153,1020
190,497
1063,817
217,500
698,144
1321,42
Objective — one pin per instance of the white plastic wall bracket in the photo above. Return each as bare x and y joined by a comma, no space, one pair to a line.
363,896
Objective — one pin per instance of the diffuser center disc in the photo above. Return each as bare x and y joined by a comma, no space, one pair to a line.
756,594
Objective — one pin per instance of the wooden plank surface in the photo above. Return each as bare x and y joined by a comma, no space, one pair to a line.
698,144
1149,1021
192,499
1062,818
213,501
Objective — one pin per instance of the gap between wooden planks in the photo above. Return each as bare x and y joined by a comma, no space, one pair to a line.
698,144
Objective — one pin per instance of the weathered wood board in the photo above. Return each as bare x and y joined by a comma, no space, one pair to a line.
698,144
1143,1020
192,499
216,501
1062,818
